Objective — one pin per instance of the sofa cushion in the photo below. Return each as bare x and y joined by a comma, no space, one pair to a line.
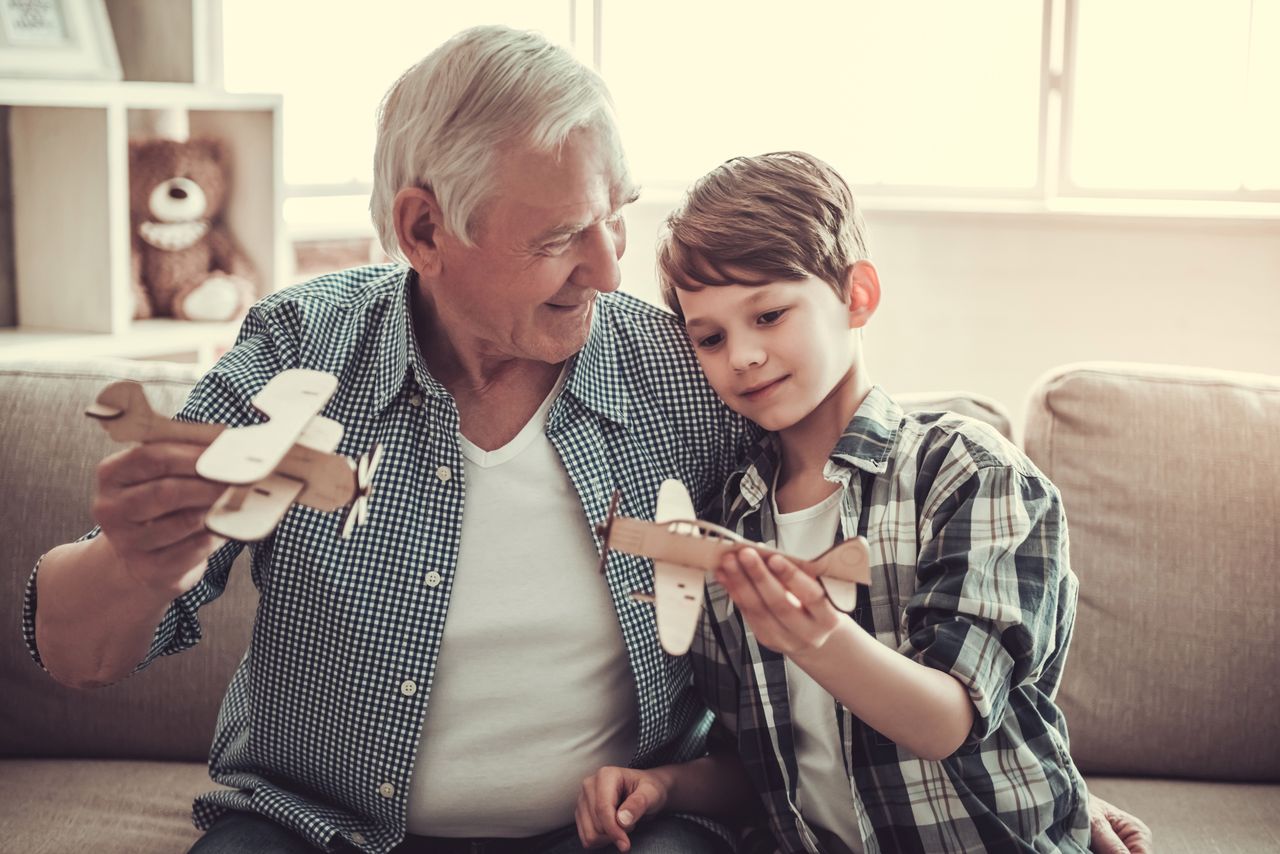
963,402
47,457
1188,817
1171,482
52,806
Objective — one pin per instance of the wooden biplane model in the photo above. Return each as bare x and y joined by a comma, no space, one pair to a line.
288,458
684,549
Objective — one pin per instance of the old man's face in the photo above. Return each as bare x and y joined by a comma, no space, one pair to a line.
548,241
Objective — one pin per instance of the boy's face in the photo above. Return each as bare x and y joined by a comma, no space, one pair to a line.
773,352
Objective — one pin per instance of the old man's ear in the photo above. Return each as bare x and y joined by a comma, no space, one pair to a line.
418,228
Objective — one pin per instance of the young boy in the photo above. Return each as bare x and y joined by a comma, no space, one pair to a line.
923,720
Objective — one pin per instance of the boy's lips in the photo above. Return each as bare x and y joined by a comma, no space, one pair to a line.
758,391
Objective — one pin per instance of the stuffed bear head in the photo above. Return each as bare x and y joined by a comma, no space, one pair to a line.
185,262
171,181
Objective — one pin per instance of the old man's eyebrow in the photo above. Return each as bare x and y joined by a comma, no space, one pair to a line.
629,195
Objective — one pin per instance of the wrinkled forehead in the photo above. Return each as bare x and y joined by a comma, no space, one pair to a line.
587,168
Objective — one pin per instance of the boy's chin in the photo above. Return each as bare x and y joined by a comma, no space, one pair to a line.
773,422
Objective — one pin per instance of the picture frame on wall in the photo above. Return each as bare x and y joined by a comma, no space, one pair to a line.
57,39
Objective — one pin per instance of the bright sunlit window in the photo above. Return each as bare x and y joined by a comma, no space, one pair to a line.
933,94
334,64
1177,96
1020,99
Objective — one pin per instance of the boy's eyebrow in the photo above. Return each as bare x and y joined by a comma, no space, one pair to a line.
762,294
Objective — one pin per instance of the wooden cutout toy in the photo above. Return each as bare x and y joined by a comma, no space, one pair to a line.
269,466
685,549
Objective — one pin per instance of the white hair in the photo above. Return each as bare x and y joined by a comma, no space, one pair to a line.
443,123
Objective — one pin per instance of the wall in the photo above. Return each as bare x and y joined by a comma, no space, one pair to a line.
987,302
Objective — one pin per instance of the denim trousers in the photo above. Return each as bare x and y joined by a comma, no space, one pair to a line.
237,832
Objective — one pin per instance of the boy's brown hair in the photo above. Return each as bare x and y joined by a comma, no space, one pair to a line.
752,220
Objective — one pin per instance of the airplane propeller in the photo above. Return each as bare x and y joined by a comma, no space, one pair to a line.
358,513
603,528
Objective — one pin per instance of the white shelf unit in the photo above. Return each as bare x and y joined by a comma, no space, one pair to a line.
70,210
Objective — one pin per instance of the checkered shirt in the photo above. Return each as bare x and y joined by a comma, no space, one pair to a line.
314,731
969,574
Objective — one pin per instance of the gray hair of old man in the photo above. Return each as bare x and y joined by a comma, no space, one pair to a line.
443,124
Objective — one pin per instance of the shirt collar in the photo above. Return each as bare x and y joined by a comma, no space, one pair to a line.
865,444
868,440
596,377
397,347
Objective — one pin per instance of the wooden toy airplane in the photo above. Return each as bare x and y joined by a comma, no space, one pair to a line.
269,466
684,549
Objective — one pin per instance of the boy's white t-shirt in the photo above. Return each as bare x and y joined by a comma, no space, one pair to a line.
512,725
823,790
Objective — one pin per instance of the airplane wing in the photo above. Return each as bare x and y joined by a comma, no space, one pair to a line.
250,513
245,455
677,589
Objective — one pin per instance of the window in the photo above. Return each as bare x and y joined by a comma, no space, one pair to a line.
333,63
1013,99
1175,97
924,94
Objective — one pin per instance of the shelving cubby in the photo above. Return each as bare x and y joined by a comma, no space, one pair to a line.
68,150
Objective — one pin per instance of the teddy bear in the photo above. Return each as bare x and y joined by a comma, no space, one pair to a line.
185,262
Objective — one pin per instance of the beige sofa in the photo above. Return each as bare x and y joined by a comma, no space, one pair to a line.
1172,485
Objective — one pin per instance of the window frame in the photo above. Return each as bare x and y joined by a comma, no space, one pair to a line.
1054,190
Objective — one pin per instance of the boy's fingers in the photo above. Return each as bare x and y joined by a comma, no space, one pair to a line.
588,833
807,590
609,789
754,611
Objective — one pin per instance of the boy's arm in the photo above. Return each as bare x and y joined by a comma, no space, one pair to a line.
992,576
613,799
923,709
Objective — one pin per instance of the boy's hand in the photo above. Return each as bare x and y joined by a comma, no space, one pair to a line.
613,799
788,611
1115,831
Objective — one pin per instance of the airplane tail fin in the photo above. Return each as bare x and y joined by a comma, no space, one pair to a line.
842,568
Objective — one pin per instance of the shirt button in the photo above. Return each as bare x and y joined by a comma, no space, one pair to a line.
444,473
387,790
434,578
408,687
358,838
415,399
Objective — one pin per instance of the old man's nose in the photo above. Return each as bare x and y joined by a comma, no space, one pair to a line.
598,267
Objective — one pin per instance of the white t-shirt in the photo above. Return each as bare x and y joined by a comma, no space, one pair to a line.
532,691
823,791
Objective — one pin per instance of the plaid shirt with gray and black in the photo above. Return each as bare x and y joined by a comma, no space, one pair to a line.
315,731
970,575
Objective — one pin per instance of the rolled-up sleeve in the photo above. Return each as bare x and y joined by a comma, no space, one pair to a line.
992,553
222,396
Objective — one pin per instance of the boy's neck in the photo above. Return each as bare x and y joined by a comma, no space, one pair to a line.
807,444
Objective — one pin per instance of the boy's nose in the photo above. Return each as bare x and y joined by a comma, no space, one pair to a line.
746,356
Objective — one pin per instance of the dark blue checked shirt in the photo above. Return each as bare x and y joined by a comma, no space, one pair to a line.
315,732
969,574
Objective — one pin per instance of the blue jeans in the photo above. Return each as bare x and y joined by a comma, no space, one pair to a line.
237,832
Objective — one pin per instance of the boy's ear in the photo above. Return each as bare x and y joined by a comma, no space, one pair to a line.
863,293
419,226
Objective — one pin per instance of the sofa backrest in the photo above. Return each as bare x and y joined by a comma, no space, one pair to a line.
48,450
1171,483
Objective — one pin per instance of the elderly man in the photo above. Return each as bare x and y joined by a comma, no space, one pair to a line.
445,679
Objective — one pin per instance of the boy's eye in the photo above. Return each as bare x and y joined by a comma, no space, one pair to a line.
771,316
708,341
